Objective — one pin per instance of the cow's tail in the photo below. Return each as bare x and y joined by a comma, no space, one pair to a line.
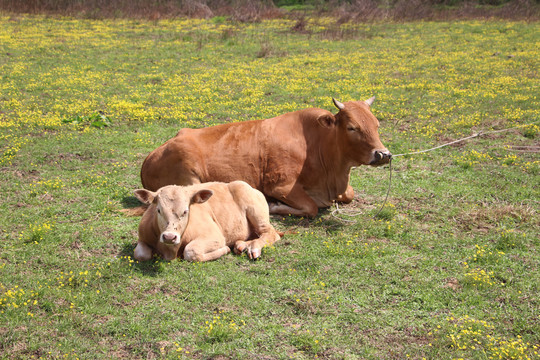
136,211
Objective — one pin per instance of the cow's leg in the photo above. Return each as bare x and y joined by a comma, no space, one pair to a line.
206,249
295,202
347,196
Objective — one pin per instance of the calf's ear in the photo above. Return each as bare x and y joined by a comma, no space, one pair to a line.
145,196
201,196
327,120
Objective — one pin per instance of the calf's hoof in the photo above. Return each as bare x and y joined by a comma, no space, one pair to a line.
251,251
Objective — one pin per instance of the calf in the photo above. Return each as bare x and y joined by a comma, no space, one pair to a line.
203,222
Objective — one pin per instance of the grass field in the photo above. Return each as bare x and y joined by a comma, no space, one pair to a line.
448,270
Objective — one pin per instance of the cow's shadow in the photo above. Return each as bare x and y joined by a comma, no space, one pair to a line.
323,220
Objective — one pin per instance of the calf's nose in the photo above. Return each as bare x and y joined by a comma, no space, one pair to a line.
169,237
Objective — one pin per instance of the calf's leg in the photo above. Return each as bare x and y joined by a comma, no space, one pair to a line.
253,248
142,252
206,249
258,217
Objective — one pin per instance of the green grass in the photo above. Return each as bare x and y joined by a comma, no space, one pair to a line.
448,269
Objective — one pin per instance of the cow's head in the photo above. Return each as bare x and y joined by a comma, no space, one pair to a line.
358,132
171,205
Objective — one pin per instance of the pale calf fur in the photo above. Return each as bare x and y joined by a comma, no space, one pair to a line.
203,222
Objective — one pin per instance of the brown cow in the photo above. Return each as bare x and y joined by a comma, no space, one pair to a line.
302,159
202,222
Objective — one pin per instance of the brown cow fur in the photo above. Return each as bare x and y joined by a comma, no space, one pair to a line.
301,159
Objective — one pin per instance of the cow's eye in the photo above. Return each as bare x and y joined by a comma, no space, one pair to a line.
350,128
159,211
185,213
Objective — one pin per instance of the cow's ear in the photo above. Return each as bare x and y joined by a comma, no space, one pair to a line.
327,120
145,196
201,196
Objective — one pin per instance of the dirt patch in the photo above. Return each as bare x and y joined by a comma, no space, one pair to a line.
486,218
393,344
32,175
452,283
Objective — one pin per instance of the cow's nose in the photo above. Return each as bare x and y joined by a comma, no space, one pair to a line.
382,157
169,237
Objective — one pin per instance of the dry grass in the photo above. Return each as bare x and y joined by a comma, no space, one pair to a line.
240,10
252,11
407,10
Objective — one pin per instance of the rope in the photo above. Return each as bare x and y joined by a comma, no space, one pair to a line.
387,192
356,213
465,138
440,146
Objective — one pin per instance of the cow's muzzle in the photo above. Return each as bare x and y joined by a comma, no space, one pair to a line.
170,238
381,157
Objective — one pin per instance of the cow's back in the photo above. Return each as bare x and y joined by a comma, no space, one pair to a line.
221,153
262,153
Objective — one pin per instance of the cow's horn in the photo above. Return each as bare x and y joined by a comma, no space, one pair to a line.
338,104
370,101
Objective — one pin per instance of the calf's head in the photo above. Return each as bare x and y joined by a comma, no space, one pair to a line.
358,135
170,207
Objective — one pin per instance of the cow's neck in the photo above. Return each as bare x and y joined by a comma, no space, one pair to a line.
337,167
